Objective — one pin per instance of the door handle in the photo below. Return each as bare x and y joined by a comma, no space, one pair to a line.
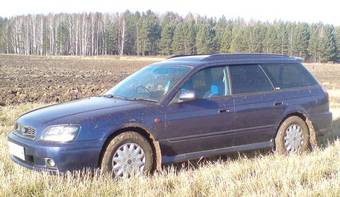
224,110
278,103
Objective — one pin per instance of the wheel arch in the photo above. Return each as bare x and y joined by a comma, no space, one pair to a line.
142,131
305,117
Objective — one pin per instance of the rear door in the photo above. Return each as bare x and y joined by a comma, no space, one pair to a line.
297,87
257,106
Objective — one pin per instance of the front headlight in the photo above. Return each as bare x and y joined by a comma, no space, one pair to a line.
60,133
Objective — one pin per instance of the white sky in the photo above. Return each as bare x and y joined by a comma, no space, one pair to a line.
327,11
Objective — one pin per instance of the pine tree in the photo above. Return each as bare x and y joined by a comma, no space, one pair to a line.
148,34
226,39
205,38
2,36
178,44
189,31
169,23
167,39
301,38
328,44
111,41
272,41
153,32
212,39
239,41
130,33
202,42
220,27
314,43
255,37
283,38
62,41
338,42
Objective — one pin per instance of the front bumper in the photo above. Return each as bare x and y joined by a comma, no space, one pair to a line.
67,157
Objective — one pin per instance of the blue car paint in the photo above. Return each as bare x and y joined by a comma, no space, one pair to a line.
186,130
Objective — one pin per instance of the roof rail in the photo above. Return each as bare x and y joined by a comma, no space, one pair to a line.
244,55
240,56
299,59
180,55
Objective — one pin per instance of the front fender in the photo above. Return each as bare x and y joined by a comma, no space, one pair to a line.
146,132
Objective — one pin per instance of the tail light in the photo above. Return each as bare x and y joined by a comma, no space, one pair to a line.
325,92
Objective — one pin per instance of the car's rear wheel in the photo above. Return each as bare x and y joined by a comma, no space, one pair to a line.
128,154
292,136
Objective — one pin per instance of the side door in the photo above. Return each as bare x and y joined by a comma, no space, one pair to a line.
203,123
257,105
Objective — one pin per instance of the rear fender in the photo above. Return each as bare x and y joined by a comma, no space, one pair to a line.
301,112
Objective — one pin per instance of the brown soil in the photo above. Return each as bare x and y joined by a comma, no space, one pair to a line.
57,79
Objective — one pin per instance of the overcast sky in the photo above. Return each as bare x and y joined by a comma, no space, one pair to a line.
326,11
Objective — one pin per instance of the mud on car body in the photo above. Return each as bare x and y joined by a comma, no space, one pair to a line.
178,109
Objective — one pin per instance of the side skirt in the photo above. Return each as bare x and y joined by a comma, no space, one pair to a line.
215,152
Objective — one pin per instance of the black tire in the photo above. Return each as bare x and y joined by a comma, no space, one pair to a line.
124,138
280,146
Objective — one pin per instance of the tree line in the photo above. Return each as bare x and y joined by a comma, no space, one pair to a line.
146,33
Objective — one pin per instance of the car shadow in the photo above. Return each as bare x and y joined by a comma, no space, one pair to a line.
330,137
324,142
196,163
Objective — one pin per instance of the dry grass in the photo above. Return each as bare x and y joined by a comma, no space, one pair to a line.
313,174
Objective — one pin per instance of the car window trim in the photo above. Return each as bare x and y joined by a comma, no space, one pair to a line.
275,90
270,81
297,88
253,93
165,97
178,81
192,73
250,93
285,64
229,82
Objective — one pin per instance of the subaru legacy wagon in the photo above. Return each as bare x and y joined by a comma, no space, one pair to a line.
182,108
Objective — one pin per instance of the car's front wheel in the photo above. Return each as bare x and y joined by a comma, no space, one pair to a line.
292,136
128,154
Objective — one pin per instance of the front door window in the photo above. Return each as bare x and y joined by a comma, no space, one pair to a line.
209,83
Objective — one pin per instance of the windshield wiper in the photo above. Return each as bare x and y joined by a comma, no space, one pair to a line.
126,98
143,99
113,96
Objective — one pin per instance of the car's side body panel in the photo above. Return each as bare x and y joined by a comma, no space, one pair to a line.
256,116
198,125
187,130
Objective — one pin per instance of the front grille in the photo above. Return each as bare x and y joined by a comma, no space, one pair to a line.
24,131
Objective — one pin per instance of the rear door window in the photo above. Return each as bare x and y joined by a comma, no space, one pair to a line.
248,79
286,76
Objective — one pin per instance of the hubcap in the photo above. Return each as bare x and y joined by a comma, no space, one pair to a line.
293,138
128,160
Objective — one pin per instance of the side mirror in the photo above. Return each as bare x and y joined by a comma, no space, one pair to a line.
187,95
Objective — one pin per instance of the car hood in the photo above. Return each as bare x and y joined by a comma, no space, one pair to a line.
58,111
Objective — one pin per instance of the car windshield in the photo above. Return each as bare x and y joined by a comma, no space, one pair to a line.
150,83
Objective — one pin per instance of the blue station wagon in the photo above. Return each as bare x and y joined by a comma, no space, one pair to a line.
182,108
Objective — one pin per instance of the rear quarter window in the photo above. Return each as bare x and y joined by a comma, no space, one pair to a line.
285,76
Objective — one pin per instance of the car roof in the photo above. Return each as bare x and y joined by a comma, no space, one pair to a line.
233,58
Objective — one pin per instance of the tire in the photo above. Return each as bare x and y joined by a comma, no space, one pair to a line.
291,139
115,154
